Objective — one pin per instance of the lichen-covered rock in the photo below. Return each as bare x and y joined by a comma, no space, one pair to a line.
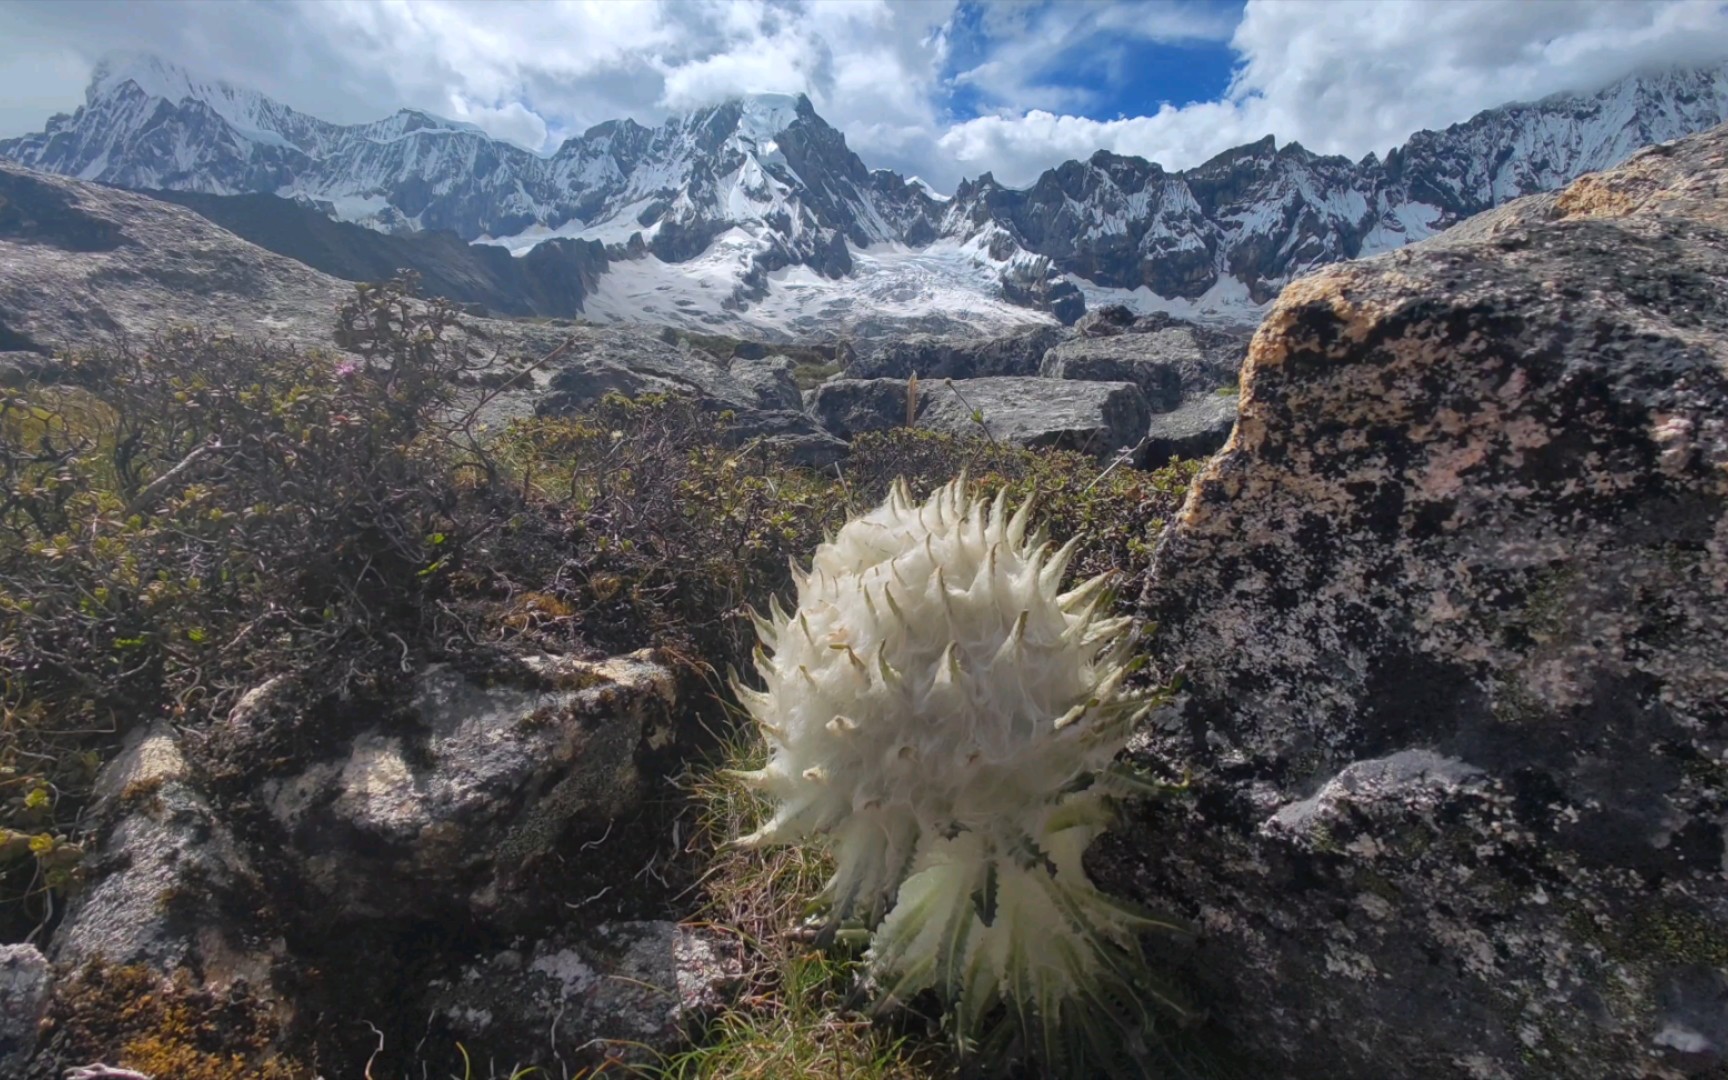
621,989
1452,610
440,816
26,983
171,885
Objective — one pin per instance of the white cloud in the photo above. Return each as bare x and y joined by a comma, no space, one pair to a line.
1348,78
1338,76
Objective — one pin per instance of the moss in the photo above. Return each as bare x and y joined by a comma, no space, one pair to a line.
166,1027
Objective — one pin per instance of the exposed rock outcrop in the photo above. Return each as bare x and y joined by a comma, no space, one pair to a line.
1168,362
1452,611
1195,429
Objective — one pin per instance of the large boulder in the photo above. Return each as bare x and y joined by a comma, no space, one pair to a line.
1167,364
769,379
442,815
1195,429
1452,614
940,357
603,360
1098,418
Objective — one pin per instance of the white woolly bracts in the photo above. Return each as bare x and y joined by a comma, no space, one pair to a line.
936,707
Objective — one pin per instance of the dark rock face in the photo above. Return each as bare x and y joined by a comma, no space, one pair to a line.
947,357
770,378
851,407
550,280
1452,610
1164,366
605,360
793,434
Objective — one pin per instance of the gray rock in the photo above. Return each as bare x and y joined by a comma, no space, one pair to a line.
1452,611
26,983
851,407
1197,429
1166,364
957,357
628,361
627,989
444,815
794,435
770,379
1095,418
172,888
1107,321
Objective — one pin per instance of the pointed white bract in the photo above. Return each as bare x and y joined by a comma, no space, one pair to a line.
935,706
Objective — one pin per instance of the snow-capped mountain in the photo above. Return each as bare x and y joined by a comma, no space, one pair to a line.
755,215
1230,233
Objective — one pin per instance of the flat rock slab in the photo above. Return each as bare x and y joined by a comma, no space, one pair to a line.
955,357
1091,417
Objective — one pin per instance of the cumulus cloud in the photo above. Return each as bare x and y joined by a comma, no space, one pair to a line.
1348,79
1339,77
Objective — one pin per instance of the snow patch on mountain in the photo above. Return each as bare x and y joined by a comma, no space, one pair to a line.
941,286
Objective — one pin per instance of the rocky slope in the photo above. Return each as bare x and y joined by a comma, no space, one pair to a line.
754,215
1452,612
550,280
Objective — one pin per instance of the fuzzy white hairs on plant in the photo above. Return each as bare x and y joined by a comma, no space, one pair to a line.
943,716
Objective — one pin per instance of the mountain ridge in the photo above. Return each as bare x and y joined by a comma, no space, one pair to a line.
756,214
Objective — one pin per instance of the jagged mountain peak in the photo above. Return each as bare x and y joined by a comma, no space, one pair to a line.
753,210
154,76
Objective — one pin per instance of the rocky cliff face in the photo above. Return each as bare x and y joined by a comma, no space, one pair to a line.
1452,611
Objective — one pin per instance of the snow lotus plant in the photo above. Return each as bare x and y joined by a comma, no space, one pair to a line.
944,717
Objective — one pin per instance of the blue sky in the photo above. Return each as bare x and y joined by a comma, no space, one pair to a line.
943,89
1098,72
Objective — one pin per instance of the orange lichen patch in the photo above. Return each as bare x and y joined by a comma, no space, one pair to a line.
166,1027
1593,197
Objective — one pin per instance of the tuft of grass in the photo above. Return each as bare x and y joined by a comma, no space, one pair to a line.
795,1016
